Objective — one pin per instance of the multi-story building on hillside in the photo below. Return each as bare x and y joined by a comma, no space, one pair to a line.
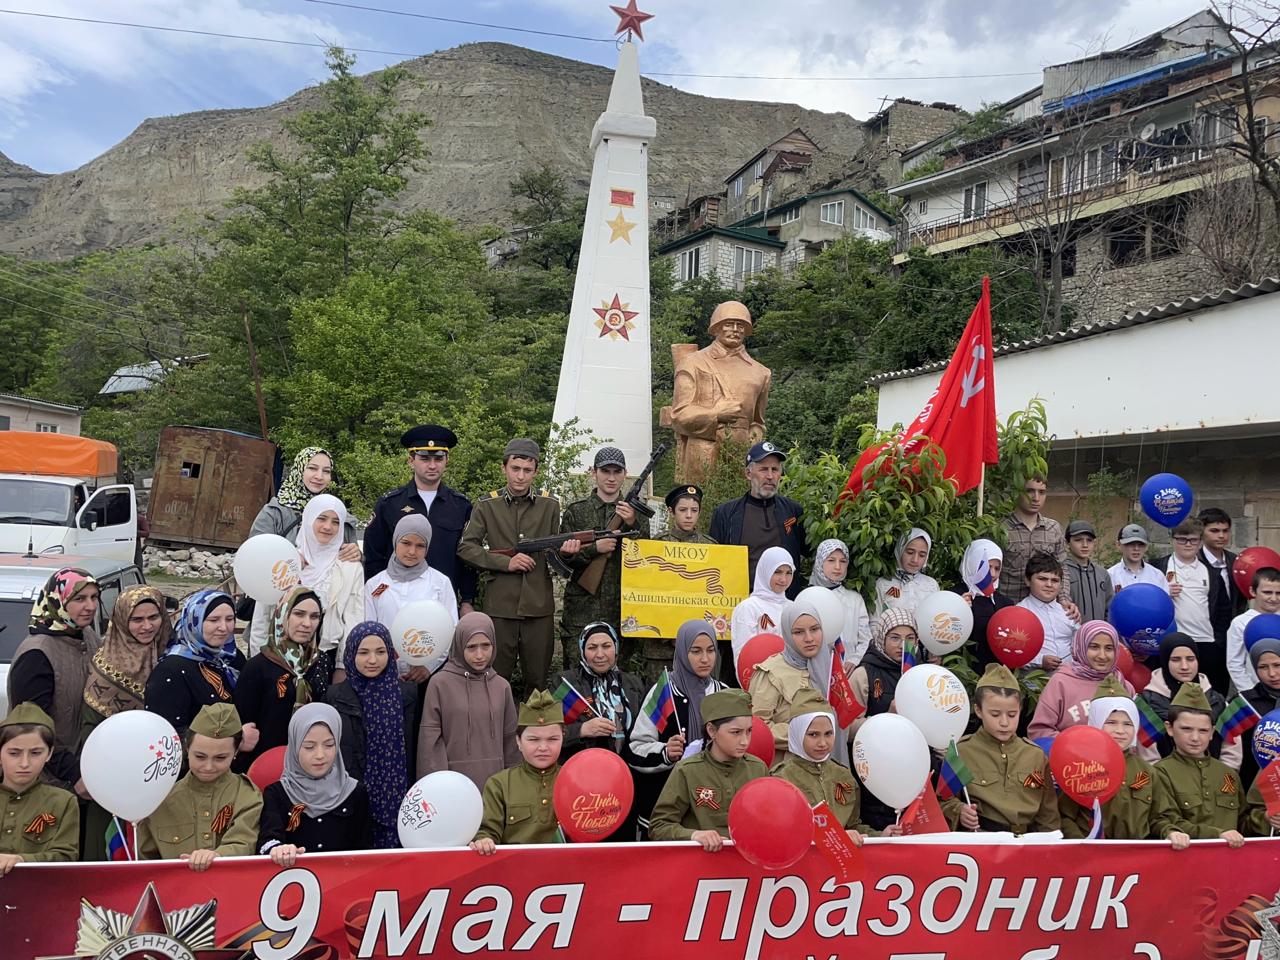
1122,174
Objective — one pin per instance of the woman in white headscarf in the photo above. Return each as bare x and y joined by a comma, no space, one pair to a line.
909,584
761,612
830,567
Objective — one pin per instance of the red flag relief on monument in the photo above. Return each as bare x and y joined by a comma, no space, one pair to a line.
960,416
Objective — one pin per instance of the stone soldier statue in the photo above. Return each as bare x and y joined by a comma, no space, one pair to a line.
720,392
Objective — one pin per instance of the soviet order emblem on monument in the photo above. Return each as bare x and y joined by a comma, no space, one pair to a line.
720,393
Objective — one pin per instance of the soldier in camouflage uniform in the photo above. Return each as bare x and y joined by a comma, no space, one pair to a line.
593,513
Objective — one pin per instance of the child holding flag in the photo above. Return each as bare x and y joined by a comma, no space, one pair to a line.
694,804
46,818
518,805
980,569
1011,787
610,698
1127,815
658,740
1197,797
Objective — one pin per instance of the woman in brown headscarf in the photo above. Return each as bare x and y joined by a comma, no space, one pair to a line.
137,636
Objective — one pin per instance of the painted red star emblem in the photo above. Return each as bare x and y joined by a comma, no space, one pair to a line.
630,18
615,318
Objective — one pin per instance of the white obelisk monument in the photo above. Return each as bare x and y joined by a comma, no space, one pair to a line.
605,376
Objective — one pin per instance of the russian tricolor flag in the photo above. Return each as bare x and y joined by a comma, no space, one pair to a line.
984,582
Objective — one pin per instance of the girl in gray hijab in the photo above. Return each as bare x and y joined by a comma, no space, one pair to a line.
315,806
408,577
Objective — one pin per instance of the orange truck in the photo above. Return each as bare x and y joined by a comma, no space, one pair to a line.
58,494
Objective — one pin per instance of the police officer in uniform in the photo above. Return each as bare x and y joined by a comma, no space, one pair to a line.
428,448
517,593
609,471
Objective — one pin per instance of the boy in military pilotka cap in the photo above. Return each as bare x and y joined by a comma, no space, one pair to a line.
1197,797
1127,815
1011,787
694,803
39,823
518,804
211,812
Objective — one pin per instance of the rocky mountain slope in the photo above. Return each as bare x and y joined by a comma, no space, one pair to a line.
496,109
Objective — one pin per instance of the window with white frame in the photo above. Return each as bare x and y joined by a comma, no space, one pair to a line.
975,200
690,264
759,171
46,427
862,219
922,208
791,216
832,212
737,187
747,261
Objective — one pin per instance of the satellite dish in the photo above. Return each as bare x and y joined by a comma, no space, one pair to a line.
1148,132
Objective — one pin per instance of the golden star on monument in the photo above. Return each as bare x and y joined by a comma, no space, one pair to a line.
620,226
630,18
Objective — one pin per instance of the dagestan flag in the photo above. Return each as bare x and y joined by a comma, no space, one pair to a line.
960,416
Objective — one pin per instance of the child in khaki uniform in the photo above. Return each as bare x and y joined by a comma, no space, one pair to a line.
1127,815
1197,797
518,804
39,823
694,804
1011,788
211,812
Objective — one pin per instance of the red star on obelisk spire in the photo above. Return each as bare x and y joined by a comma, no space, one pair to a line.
630,18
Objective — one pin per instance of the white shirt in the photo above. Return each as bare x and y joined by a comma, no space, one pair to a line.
1191,605
857,625
341,595
1122,576
892,592
1239,666
1059,629
432,585
754,615
428,497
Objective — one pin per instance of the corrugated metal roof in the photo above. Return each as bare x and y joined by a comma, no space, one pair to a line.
1168,311
45,404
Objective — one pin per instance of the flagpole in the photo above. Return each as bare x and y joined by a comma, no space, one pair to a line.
982,487
675,714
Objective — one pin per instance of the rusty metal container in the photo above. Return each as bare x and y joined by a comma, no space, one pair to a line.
209,485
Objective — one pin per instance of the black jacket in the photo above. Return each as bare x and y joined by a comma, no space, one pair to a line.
633,688
449,514
355,744
726,527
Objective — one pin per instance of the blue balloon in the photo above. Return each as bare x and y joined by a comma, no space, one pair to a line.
1142,614
1266,739
1044,743
1166,498
1265,626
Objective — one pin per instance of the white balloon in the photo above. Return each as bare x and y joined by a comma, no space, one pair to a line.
130,762
266,566
935,700
443,809
944,621
891,757
422,632
830,610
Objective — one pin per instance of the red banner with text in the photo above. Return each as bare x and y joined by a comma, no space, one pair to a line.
941,900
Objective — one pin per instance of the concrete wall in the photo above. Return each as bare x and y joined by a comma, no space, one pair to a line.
29,416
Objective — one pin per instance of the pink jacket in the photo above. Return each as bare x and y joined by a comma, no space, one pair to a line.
1064,703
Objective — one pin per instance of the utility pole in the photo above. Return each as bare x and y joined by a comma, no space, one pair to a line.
253,366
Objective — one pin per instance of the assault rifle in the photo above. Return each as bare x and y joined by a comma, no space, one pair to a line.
591,575
552,544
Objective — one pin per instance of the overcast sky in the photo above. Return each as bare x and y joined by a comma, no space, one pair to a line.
69,91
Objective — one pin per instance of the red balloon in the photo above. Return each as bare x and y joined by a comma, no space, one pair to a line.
267,768
762,744
1015,636
756,650
1250,561
592,795
1087,764
1124,660
1139,676
771,823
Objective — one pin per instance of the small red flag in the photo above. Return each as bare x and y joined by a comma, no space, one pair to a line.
840,695
834,843
924,814
1269,787
960,416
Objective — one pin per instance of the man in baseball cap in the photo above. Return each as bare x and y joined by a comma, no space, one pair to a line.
1133,567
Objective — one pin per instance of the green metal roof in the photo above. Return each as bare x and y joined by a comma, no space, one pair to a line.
734,232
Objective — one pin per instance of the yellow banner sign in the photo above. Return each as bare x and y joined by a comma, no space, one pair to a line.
665,583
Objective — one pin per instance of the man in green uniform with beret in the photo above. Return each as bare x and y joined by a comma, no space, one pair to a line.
518,801
517,589
694,803
211,812
1197,797
1012,788
594,512
39,823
